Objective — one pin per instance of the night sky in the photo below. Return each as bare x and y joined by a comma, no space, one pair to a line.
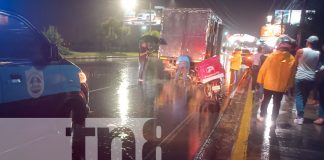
80,20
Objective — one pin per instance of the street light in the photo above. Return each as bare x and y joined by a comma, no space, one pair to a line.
129,5
269,19
172,4
150,7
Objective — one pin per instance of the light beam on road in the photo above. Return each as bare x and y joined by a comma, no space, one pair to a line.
123,103
265,154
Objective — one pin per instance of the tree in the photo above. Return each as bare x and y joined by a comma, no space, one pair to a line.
114,33
55,37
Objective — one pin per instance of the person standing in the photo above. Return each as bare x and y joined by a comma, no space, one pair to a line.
236,62
320,118
276,76
256,67
142,59
183,66
307,61
320,87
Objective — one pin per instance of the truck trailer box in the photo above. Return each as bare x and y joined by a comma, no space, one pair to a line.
196,32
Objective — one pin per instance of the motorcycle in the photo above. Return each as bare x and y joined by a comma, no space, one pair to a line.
211,74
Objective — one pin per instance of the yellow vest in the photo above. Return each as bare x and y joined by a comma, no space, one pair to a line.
236,60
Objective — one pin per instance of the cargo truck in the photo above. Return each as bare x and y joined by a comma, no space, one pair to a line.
196,32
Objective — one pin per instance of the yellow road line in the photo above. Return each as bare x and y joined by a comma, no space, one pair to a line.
239,151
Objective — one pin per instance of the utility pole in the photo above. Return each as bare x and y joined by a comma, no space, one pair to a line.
301,25
282,20
150,8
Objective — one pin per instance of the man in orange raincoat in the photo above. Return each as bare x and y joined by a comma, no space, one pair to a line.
276,75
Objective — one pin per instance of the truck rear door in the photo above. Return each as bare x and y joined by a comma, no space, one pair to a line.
195,36
173,29
185,32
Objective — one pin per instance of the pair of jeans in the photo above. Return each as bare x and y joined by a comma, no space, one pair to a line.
255,72
182,68
142,60
260,90
277,97
302,90
234,74
321,112
321,98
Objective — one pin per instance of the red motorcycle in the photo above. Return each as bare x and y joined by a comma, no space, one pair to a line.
211,74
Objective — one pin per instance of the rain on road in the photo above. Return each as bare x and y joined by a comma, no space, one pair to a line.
185,117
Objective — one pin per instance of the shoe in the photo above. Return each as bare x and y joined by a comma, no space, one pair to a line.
260,118
273,124
299,121
319,121
313,102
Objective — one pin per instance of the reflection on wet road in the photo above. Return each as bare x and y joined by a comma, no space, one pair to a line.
286,140
184,115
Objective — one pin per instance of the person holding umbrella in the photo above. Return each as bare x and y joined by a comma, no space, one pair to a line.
142,59
144,51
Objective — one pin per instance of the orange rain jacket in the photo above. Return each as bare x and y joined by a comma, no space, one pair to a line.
277,72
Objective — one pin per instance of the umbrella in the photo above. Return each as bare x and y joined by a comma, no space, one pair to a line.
153,39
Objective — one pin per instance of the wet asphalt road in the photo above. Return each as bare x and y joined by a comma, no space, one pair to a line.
187,119
286,140
181,110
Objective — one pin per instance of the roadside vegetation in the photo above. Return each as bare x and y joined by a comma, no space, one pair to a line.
100,54
115,35
55,38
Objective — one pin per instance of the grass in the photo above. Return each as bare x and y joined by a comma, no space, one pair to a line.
100,54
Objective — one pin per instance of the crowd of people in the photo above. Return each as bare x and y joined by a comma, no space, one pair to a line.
182,62
283,70
273,75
